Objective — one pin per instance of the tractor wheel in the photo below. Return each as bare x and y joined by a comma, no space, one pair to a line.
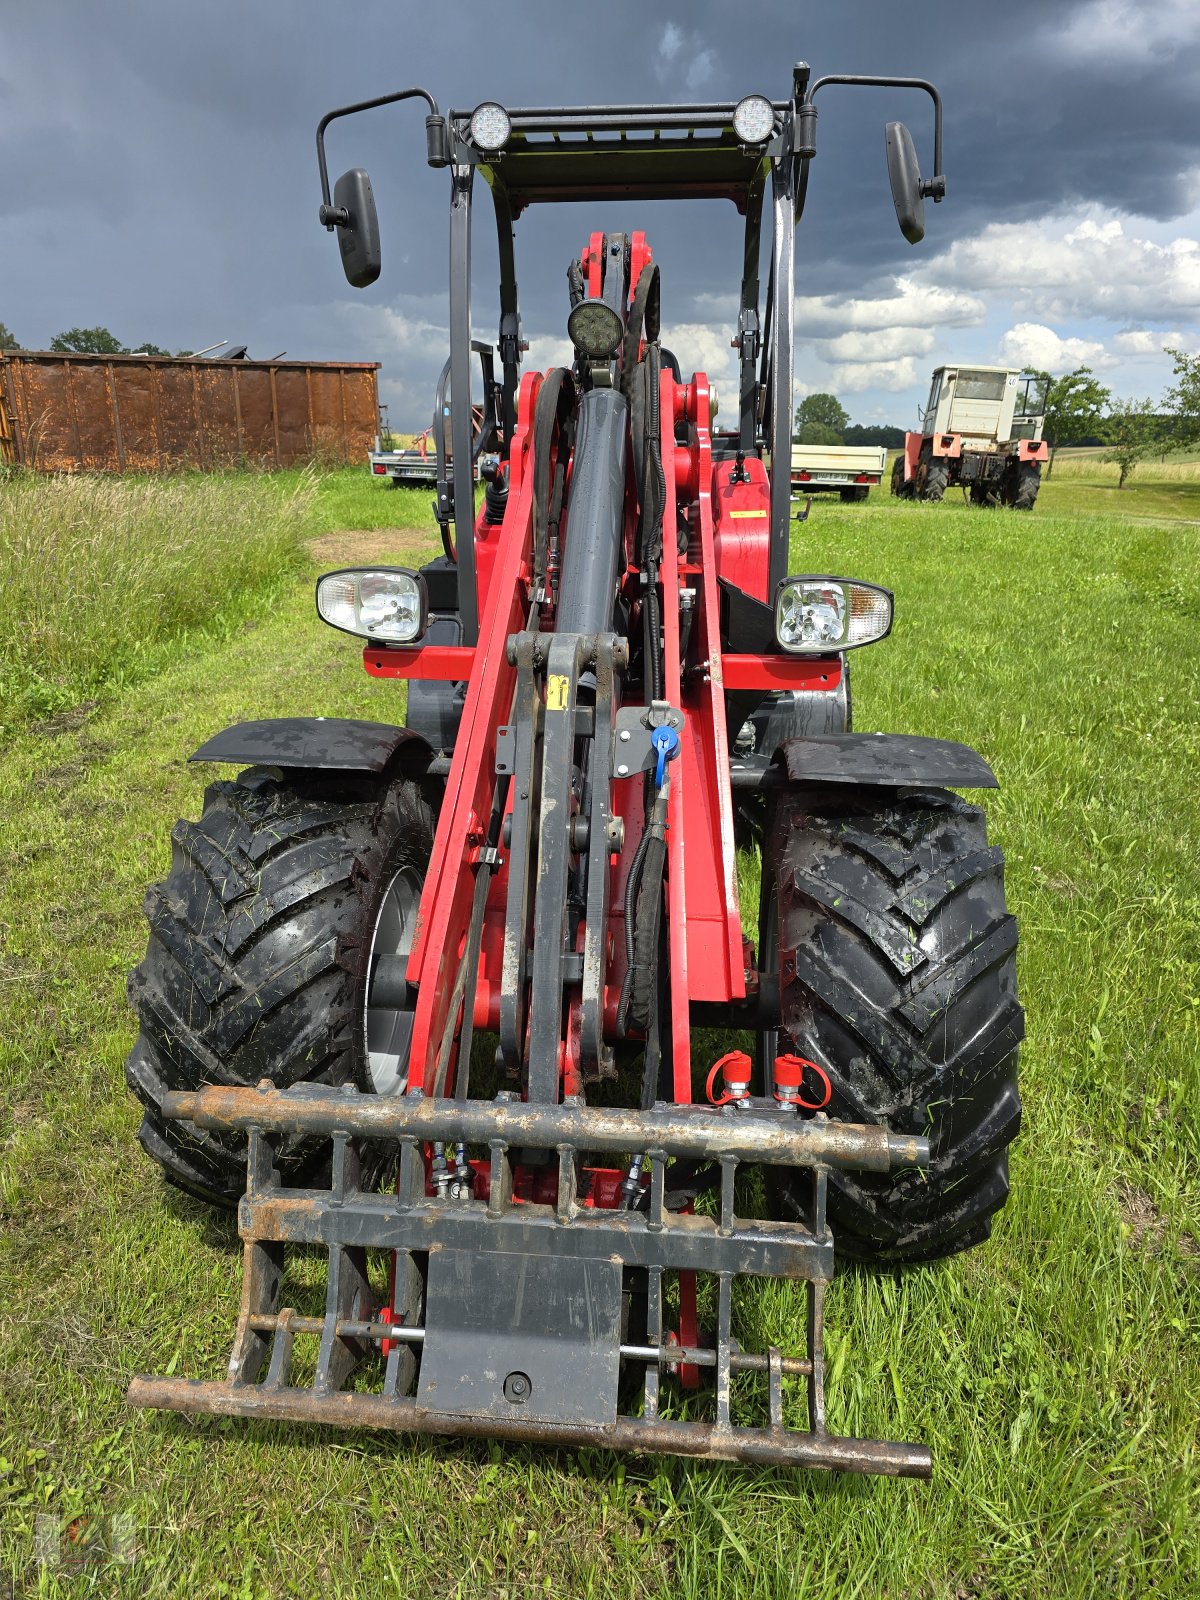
936,479
901,487
895,956
260,957
1029,481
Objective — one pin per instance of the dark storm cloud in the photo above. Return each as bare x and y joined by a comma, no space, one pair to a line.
159,170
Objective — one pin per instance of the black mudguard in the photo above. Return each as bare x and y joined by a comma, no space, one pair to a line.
320,744
885,758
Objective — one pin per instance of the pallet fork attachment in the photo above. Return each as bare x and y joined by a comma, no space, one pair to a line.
524,1302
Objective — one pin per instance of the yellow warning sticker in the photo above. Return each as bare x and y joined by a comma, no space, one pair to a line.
740,514
557,685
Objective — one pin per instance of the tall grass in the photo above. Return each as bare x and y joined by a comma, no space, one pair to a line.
1088,464
100,579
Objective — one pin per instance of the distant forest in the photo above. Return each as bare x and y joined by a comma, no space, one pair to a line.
858,433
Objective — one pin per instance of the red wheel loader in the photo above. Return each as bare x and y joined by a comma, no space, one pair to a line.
422,997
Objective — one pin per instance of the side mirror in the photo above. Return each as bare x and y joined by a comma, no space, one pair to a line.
905,178
358,234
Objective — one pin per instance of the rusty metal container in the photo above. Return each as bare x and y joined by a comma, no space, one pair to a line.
85,413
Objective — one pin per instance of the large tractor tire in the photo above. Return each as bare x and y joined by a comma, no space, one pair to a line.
260,957
937,476
1029,481
902,487
895,954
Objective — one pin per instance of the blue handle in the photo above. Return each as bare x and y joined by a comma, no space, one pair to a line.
665,743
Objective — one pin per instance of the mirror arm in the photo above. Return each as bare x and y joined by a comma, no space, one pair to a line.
806,122
332,216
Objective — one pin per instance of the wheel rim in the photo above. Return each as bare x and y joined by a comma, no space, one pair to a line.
388,1028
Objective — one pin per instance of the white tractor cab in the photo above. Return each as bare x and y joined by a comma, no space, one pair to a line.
981,430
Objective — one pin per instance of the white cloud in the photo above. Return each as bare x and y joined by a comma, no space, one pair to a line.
679,49
883,344
1076,266
547,350
1129,32
856,376
908,304
701,347
1032,344
1145,341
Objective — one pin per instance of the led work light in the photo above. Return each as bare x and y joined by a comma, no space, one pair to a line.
754,119
823,616
596,329
387,605
490,126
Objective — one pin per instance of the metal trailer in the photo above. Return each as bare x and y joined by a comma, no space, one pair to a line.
94,413
613,676
850,470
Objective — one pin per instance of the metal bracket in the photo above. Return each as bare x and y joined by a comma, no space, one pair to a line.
632,750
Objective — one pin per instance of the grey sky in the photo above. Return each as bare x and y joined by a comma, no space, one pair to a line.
159,177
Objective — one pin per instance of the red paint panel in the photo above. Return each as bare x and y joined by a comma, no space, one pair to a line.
677,890
741,519
714,927
781,672
451,663
444,910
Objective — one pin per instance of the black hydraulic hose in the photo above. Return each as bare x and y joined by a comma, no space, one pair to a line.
653,630
575,281
631,889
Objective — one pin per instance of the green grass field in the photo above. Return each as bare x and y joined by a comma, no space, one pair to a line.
1055,1372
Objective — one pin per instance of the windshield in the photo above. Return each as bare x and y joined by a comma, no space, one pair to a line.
1031,395
980,385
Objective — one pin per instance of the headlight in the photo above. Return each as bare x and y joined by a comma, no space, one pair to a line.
490,126
596,329
754,119
387,605
821,616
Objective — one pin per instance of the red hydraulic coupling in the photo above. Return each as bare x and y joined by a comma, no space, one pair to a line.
789,1078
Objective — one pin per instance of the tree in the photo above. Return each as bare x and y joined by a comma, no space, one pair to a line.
1074,406
147,350
88,341
874,433
1183,400
7,340
817,433
1129,431
826,410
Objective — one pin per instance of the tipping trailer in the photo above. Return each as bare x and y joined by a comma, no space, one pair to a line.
422,998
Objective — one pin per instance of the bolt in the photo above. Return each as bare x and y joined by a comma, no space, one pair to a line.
622,771
517,1388
624,735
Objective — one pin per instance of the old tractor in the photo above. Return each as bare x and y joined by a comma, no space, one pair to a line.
435,1003
981,432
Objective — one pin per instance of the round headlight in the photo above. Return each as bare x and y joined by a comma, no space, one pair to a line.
595,328
490,126
386,605
754,119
